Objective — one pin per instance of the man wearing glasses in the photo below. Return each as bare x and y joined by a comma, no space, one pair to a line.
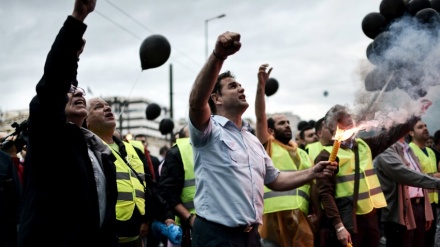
70,179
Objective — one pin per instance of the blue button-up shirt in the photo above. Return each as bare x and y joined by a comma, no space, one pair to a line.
231,168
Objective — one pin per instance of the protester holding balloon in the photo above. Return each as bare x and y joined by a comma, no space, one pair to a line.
228,156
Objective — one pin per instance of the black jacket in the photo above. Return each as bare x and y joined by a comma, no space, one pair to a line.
60,202
10,204
171,182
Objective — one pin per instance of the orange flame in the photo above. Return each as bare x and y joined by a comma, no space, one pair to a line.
340,136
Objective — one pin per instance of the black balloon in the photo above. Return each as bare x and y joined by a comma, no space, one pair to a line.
271,86
325,93
153,111
371,82
154,51
372,57
373,24
380,44
435,4
422,92
429,16
166,126
378,78
392,9
415,6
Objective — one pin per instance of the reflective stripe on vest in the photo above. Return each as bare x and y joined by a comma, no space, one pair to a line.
428,165
131,192
275,201
314,149
189,185
370,193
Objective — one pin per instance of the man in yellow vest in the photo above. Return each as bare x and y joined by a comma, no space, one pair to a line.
177,185
285,212
133,207
350,199
314,148
419,134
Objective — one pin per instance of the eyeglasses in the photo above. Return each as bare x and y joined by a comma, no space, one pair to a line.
74,89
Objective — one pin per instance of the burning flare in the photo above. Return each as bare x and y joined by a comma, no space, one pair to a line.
340,136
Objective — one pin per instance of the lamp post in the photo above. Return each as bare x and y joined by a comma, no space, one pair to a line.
206,32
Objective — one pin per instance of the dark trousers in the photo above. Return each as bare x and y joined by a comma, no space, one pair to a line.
210,234
398,235
8,234
368,234
430,234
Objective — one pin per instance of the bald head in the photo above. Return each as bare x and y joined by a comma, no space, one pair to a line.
100,118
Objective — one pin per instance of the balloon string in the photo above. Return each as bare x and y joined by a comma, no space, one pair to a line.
123,107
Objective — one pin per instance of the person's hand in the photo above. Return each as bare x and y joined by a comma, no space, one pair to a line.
426,103
227,44
428,225
169,222
263,75
325,169
191,222
344,237
82,8
145,228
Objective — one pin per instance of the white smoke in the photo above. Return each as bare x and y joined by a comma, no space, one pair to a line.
407,54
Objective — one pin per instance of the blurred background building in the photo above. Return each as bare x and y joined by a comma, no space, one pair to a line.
131,119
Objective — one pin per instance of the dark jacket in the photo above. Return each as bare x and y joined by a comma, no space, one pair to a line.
60,201
10,204
171,182
395,175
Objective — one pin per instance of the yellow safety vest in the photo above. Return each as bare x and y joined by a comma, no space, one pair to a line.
189,186
131,192
370,193
313,149
138,144
275,201
428,165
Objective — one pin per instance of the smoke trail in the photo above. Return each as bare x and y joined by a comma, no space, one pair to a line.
405,68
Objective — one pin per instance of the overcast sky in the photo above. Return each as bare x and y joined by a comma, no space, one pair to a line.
313,46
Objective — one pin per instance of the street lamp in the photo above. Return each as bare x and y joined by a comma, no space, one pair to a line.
206,32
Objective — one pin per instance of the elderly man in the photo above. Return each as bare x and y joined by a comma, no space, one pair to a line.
70,186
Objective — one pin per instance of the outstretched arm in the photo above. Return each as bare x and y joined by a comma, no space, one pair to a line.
294,179
260,104
199,113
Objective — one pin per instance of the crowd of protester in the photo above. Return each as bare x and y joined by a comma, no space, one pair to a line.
221,182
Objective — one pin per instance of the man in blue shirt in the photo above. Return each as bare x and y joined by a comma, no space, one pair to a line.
231,165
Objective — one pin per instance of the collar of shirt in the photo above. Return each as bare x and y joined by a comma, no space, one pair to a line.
404,145
223,121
